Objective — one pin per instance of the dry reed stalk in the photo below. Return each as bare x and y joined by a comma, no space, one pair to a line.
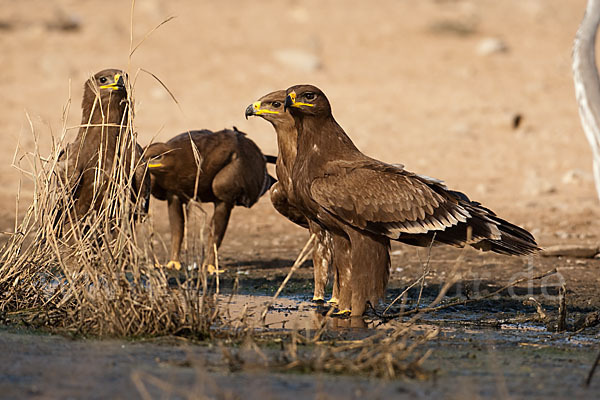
304,253
96,274
92,275
387,354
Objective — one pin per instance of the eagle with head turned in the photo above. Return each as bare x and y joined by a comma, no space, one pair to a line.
225,168
365,203
271,108
88,164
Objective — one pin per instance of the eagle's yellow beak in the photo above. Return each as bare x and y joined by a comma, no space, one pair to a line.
290,101
118,83
155,165
254,109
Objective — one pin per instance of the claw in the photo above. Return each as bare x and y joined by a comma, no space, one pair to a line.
173,264
342,313
318,299
211,269
332,300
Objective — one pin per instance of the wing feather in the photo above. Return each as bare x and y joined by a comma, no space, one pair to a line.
386,199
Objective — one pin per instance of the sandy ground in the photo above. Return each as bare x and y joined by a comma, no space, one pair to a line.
410,81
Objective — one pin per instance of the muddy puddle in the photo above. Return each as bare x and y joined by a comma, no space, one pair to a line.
300,313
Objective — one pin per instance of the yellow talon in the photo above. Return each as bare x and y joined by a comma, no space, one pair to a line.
333,300
318,298
174,264
211,269
342,313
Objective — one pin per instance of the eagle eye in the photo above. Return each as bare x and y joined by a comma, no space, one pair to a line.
310,96
276,104
103,80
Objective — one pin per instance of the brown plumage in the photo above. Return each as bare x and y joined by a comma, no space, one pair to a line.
270,107
232,172
365,203
88,163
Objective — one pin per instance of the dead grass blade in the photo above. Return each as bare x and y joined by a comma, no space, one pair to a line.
304,253
93,274
147,35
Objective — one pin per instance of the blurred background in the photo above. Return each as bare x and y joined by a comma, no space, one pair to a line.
478,93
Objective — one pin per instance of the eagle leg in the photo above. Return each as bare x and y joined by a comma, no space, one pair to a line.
341,271
218,226
370,271
321,261
177,224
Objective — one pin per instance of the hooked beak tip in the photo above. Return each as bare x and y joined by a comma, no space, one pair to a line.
249,111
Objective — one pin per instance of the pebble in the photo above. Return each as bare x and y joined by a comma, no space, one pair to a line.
571,250
576,176
489,46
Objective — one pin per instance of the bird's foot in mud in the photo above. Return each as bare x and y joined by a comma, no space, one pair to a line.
332,301
318,299
173,265
212,270
342,313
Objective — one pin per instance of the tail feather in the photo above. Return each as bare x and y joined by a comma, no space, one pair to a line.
484,231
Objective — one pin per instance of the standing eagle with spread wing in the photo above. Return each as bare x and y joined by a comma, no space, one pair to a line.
365,203
88,164
270,107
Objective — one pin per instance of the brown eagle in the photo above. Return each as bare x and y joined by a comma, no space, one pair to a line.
270,107
88,163
225,168
365,203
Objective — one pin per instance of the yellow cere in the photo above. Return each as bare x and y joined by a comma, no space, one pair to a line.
155,165
298,103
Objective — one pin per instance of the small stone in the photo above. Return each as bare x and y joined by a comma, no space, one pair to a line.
158,93
481,188
571,250
460,27
576,176
63,21
491,46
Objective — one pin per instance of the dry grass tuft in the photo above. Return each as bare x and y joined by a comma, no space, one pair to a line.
387,354
95,275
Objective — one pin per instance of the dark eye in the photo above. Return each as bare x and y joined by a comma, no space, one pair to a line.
309,96
276,104
103,80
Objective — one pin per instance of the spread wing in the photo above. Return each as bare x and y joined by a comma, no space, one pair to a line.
386,199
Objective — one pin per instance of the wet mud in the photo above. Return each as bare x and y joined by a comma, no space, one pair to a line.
497,347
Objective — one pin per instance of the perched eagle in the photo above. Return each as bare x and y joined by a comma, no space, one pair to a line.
270,107
225,168
88,165
365,203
